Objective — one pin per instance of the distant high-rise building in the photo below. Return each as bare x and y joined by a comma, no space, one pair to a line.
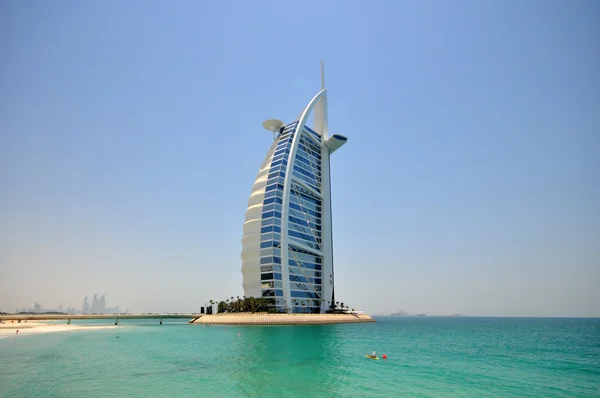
102,304
287,246
94,307
86,306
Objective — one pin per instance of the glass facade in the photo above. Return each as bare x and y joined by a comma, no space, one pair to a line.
287,243
304,223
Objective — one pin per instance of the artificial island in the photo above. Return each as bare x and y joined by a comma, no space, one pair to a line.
287,244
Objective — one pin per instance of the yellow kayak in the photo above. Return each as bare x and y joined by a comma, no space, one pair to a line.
371,357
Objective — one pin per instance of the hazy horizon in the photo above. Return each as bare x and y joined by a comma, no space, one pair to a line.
130,137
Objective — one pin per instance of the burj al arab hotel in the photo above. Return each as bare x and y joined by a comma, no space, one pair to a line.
287,246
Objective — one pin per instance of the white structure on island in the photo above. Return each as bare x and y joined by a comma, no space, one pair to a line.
287,247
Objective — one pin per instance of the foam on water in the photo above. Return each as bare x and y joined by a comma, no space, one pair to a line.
429,357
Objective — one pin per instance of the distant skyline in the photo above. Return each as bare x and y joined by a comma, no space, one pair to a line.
130,135
97,305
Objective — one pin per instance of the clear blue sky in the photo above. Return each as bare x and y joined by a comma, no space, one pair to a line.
130,137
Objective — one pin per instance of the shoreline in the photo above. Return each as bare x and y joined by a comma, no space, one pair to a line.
261,319
31,328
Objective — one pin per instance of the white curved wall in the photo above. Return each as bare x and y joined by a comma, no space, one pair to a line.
252,227
286,195
251,230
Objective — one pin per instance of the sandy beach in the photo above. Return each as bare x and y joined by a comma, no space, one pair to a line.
8,329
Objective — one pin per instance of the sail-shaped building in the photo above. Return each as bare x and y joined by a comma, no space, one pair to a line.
287,246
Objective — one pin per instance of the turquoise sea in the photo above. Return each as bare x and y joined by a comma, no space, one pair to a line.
427,357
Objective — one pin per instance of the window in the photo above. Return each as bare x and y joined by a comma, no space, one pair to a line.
308,273
303,264
304,279
304,209
264,245
266,252
268,229
295,293
296,234
268,244
266,222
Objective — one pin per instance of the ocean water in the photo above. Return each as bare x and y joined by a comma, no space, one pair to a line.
427,357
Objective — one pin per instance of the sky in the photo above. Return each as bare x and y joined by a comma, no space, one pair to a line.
130,137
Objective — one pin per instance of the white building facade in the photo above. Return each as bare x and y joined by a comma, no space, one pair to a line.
287,246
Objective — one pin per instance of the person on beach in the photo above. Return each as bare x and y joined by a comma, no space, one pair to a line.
17,331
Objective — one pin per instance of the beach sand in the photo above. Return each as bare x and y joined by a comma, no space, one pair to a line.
8,329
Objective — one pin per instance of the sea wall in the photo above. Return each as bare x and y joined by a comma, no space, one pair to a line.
281,319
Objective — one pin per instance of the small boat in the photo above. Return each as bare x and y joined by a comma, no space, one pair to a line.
370,357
